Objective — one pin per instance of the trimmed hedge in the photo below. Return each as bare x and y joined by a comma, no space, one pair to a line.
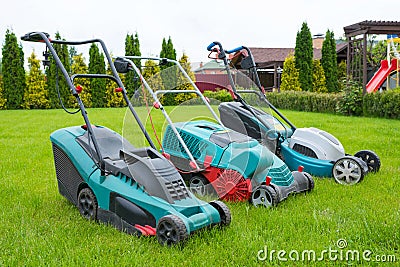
351,103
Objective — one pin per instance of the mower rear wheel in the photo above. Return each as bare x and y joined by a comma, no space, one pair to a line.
199,185
224,212
265,196
348,170
171,230
370,158
311,183
87,204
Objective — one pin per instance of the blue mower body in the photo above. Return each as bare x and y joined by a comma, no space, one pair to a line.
220,152
140,186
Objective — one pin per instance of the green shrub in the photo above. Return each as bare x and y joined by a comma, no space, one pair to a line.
220,95
351,102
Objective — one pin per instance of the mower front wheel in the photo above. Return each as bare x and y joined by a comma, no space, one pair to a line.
348,170
87,204
265,196
224,212
370,158
171,230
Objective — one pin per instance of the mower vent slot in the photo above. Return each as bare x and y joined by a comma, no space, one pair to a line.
67,175
172,143
177,189
305,151
282,175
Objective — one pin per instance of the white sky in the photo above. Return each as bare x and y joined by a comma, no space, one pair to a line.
192,25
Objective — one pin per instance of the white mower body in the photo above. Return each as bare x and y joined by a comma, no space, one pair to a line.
323,144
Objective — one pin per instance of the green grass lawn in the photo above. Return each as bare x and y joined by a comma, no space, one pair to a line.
38,227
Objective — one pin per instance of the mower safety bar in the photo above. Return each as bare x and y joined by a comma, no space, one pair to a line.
234,49
35,36
210,46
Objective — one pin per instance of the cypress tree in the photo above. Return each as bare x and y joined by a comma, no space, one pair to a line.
36,95
290,75
329,62
168,75
97,85
132,48
2,100
303,54
319,82
13,72
54,76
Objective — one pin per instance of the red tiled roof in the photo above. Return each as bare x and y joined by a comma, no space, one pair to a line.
266,57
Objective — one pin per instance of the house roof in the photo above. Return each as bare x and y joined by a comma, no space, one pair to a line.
372,27
211,65
267,57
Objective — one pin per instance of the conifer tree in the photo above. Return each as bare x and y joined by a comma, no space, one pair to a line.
55,79
303,54
97,85
319,84
13,72
183,82
132,48
329,62
290,75
114,99
36,95
168,71
79,67
2,100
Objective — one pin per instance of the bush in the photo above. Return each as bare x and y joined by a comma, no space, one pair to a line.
351,103
385,104
305,101
220,95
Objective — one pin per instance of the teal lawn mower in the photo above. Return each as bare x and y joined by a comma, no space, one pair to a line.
136,190
212,158
317,151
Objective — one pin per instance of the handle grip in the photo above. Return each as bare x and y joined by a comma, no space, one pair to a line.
210,46
234,50
34,36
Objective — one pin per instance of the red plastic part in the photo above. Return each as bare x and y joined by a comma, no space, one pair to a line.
193,165
166,155
207,161
300,168
78,89
156,105
268,180
118,90
146,230
231,186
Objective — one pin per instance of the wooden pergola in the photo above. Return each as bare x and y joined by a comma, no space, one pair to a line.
356,35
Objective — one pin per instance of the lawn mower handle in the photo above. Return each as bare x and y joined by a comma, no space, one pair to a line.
235,49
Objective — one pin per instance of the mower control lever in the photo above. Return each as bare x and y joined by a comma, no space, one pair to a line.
34,37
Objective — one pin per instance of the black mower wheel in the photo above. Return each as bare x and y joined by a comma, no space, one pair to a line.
370,158
310,180
265,196
198,185
171,230
348,170
224,212
87,204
